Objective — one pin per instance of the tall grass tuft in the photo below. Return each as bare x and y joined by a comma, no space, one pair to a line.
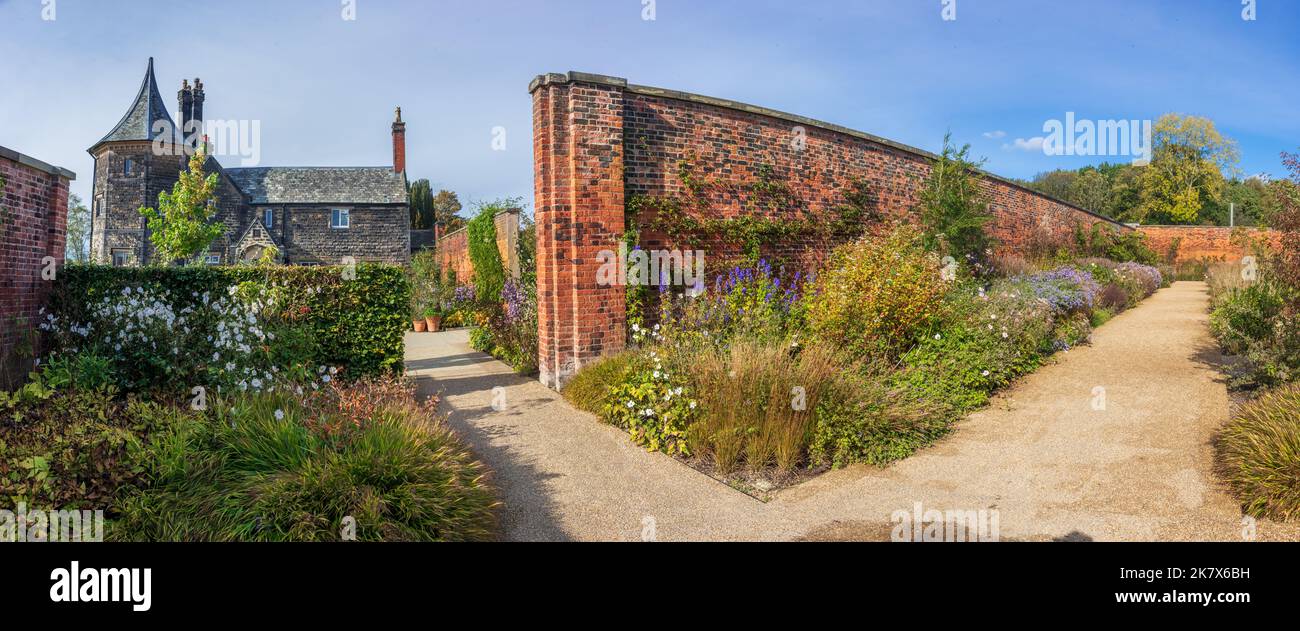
278,467
588,390
759,400
1259,455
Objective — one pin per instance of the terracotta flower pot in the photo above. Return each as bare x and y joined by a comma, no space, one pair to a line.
434,322
419,325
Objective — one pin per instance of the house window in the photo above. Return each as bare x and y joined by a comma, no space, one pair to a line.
99,207
126,167
268,218
214,259
340,218
121,257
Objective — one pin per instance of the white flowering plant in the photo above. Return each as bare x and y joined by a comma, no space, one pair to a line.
654,404
159,339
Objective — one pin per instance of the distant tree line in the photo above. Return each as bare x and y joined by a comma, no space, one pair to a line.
1192,179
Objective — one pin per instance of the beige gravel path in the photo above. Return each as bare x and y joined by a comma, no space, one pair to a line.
1053,458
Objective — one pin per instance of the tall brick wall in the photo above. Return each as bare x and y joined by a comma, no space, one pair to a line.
1209,243
452,249
598,142
33,224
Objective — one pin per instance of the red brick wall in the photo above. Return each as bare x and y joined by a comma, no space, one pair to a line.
33,221
1213,243
597,142
452,250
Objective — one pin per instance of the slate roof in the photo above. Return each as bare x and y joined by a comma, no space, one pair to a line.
147,109
320,185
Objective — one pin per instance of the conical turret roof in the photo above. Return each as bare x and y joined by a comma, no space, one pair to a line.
141,120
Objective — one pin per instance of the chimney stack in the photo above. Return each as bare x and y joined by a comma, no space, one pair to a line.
196,114
399,144
186,100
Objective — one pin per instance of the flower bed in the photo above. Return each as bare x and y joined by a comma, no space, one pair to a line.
769,377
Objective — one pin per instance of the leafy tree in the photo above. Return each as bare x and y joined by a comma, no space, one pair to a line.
182,226
77,247
421,205
953,207
446,205
1189,157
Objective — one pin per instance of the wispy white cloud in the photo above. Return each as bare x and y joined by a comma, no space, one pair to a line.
995,134
1022,144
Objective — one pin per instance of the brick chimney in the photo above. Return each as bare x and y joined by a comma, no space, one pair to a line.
399,144
185,98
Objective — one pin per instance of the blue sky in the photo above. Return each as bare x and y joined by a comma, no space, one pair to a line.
324,88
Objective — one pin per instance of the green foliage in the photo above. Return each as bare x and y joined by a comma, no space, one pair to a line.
446,205
357,323
278,467
1257,455
73,449
866,419
77,245
589,389
953,207
1245,316
652,404
183,225
1189,157
489,273
421,204
878,294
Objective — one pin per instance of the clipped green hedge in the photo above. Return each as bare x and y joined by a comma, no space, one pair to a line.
357,323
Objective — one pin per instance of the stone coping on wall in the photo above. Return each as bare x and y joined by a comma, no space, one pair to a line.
29,161
599,79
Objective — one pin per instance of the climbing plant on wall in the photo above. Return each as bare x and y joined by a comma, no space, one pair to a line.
767,205
489,273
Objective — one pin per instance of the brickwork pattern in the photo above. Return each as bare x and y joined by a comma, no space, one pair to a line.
1209,243
33,224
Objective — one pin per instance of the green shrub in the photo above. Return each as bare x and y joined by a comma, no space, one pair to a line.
988,338
877,295
589,389
1259,455
327,318
866,419
1244,316
653,405
280,467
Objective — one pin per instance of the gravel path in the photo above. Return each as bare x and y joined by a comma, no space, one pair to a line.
1109,442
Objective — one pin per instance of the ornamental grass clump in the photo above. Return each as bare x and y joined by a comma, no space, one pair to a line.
758,402
275,466
1259,455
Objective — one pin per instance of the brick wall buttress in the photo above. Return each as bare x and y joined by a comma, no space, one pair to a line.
579,201
33,225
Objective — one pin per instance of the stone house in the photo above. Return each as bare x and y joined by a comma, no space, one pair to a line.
310,215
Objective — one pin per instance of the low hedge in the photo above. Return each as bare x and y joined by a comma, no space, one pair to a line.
358,323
